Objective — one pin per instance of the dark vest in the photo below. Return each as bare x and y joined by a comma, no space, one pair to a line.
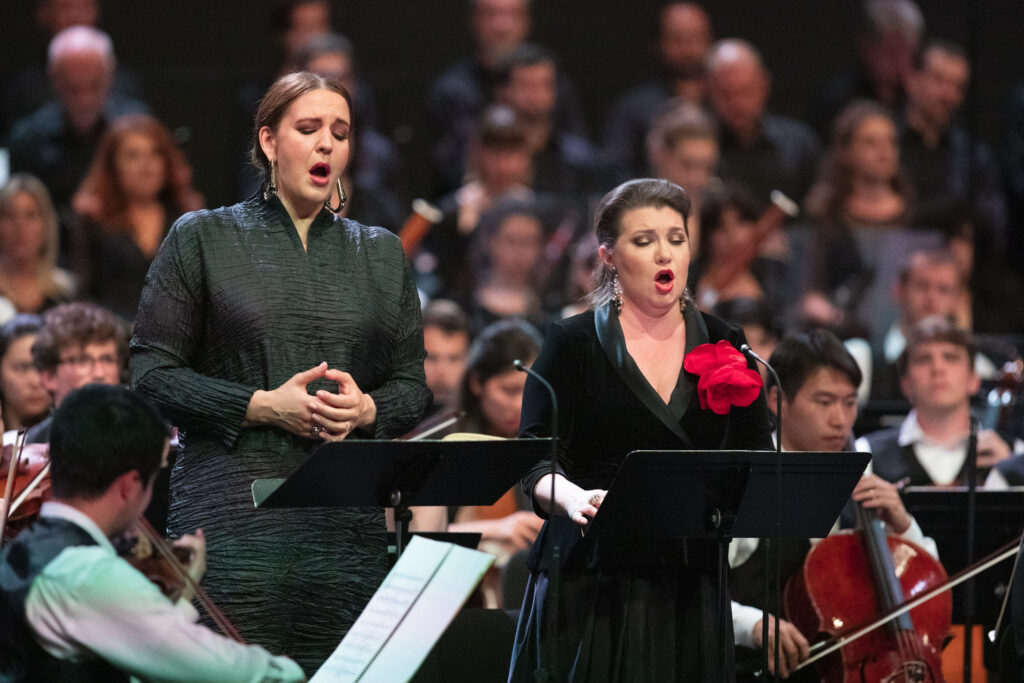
21,657
893,462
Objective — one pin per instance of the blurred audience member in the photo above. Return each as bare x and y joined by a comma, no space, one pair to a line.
446,340
947,166
29,276
929,285
492,398
24,400
78,344
28,88
730,264
684,36
887,38
460,93
683,147
56,142
583,260
500,166
860,188
372,177
295,22
138,185
563,160
760,150
507,255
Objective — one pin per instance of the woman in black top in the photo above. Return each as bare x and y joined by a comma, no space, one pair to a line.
636,612
265,329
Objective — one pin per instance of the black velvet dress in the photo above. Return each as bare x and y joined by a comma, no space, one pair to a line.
233,304
627,612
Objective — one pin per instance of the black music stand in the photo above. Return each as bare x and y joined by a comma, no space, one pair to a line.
999,517
725,494
398,474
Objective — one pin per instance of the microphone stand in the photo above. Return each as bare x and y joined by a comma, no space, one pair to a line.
971,474
554,570
772,544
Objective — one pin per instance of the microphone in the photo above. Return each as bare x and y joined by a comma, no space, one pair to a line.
749,352
522,367
554,571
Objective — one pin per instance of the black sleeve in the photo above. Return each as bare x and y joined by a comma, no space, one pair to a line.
559,362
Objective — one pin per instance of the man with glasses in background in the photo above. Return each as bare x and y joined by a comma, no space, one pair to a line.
79,343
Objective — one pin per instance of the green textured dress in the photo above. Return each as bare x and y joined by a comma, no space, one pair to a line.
233,304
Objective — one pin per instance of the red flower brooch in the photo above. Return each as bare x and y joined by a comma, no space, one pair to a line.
725,380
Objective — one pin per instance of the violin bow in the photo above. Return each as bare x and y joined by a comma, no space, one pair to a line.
161,546
994,633
12,471
827,647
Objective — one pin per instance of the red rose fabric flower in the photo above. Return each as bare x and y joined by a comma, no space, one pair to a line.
725,380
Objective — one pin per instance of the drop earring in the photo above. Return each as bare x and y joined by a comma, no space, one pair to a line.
342,200
616,291
270,189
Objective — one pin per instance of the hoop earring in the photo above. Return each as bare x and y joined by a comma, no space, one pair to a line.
270,189
616,291
342,200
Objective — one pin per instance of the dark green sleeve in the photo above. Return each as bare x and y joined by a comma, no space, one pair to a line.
402,399
168,333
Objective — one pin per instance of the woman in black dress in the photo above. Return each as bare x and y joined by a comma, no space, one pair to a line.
265,329
636,612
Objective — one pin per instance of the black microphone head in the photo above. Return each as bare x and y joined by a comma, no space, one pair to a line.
745,348
518,364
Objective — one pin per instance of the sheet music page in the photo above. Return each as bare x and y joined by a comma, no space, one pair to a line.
405,617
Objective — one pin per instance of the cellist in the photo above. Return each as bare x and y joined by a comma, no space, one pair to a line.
819,406
71,608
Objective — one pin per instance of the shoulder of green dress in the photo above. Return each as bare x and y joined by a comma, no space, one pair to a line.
372,237
196,222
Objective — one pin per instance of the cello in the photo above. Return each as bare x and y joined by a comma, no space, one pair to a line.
879,573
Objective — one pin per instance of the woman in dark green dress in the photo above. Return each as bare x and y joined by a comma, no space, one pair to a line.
265,329
628,611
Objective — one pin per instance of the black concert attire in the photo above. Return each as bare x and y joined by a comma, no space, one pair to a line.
636,611
234,304
45,145
110,266
746,586
784,157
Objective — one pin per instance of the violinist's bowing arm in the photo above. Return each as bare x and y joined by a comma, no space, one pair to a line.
196,565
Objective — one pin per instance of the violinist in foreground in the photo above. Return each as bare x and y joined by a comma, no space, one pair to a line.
819,406
72,609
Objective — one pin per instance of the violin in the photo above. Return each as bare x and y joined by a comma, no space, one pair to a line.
164,566
719,279
25,482
879,573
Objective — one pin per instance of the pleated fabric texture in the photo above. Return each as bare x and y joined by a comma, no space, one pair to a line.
233,304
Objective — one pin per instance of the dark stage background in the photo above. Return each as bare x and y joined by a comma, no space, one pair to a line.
192,56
